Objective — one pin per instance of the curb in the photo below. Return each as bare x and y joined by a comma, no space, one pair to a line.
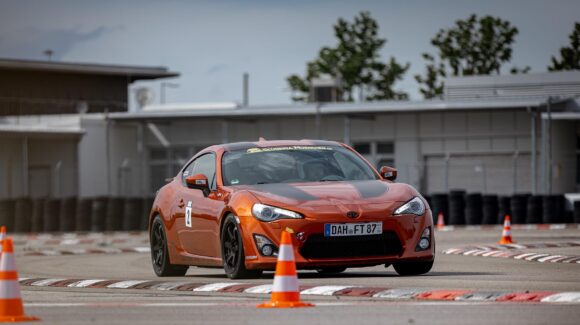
546,226
513,251
326,290
88,251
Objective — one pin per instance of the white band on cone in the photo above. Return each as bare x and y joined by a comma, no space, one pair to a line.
285,283
9,289
7,262
285,253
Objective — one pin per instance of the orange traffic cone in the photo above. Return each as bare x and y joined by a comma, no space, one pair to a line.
285,293
506,235
2,236
440,221
11,309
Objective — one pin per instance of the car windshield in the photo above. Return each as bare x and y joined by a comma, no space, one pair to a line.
293,164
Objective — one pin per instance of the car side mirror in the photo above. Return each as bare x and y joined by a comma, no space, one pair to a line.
388,173
198,181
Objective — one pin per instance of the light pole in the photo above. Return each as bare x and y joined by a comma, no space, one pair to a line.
162,90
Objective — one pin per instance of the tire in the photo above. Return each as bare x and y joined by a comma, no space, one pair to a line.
159,253
233,251
331,270
413,268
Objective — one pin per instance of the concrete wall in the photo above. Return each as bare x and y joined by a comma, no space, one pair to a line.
38,166
489,151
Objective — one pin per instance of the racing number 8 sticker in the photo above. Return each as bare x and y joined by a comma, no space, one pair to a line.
188,215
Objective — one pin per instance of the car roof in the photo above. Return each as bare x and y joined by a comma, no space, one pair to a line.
274,143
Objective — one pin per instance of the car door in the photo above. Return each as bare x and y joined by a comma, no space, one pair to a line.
198,232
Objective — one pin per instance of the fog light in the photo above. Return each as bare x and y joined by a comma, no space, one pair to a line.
265,246
424,243
267,250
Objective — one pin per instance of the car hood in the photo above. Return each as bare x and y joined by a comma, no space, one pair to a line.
349,195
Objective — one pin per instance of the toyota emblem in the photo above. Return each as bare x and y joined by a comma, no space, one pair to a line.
352,214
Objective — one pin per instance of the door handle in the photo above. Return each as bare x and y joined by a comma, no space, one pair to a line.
181,203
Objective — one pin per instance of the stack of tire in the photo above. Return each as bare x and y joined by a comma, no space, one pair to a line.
490,210
24,215
473,208
440,204
457,207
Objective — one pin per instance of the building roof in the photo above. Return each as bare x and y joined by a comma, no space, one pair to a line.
40,130
331,109
133,72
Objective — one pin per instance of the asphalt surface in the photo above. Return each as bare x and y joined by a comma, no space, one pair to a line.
110,306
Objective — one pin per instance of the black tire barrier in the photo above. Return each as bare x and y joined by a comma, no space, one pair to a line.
457,207
22,215
132,212
473,209
147,205
7,214
83,214
37,222
576,211
68,208
440,203
98,213
535,210
519,207
553,208
51,215
504,208
114,215
490,210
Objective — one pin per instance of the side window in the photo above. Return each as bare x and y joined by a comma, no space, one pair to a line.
202,165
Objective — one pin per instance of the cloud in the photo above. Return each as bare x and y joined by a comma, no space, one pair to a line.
31,42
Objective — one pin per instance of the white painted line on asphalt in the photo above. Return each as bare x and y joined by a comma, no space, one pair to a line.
519,257
45,282
557,226
125,284
470,252
489,253
84,283
70,242
547,258
563,297
165,286
324,290
265,288
215,286
142,249
536,255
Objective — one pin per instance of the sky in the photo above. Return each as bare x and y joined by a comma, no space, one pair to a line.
212,43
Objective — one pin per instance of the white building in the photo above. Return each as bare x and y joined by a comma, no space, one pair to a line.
501,135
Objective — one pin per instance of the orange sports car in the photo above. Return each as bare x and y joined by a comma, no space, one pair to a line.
229,204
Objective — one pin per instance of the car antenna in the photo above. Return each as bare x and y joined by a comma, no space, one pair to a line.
261,139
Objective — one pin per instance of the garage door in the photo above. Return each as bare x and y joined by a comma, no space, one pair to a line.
492,174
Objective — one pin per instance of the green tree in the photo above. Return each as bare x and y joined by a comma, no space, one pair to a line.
355,60
475,46
433,85
570,56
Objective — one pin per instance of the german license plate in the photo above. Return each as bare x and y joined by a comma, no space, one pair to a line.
353,229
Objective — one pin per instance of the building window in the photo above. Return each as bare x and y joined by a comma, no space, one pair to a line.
362,148
378,153
165,163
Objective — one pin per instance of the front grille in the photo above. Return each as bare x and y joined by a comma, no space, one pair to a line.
318,246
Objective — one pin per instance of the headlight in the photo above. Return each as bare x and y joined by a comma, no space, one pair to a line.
268,213
414,206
